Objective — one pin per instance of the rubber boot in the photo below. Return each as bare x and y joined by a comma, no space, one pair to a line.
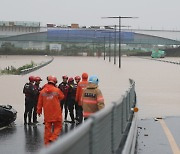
29,119
66,113
72,116
25,118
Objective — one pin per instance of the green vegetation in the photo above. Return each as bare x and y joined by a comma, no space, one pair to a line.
77,49
68,49
8,48
13,70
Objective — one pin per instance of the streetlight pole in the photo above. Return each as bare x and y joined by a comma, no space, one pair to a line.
109,52
119,42
104,48
94,39
115,44
119,17
109,48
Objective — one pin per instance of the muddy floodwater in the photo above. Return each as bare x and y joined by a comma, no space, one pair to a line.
157,88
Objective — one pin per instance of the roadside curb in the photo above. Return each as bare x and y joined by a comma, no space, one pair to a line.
167,61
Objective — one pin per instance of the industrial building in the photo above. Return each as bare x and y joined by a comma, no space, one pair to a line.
32,35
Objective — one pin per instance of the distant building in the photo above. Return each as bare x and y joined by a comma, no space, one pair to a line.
51,25
74,25
83,27
19,24
108,27
11,28
55,47
94,27
19,28
31,35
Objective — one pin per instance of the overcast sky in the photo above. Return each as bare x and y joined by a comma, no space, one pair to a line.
152,14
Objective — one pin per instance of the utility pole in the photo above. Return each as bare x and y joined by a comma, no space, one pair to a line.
109,48
104,48
119,17
115,44
109,52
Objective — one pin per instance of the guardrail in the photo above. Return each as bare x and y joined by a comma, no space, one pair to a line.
29,70
111,130
166,61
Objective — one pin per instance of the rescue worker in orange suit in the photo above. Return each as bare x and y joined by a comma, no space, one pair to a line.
37,89
92,98
49,99
29,92
71,98
77,80
80,87
63,86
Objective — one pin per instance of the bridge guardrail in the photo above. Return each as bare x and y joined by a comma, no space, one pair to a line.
29,70
105,132
161,60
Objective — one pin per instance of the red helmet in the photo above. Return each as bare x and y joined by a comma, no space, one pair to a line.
52,79
70,80
48,77
64,77
77,78
84,75
37,78
31,78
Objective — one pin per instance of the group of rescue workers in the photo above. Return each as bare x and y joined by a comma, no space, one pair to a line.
83,95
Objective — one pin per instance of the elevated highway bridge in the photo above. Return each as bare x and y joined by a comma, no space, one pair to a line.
42,36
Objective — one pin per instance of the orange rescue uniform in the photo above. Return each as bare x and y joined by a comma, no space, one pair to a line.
81,85
49,100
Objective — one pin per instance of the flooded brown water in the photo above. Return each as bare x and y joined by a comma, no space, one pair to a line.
157,87
157,83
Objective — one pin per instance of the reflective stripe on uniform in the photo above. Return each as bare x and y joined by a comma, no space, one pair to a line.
82,85
87,114
50,94
87,101
100,99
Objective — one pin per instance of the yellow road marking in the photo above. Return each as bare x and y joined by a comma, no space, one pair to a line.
170,137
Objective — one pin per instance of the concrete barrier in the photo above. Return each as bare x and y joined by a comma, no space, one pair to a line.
29,70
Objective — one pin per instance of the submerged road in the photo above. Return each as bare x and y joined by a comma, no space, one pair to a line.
157,88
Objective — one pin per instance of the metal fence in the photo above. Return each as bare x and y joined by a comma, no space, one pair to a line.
111,130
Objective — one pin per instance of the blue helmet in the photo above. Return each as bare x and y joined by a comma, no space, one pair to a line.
93,79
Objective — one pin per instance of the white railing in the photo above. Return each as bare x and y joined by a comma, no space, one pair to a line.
28,70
